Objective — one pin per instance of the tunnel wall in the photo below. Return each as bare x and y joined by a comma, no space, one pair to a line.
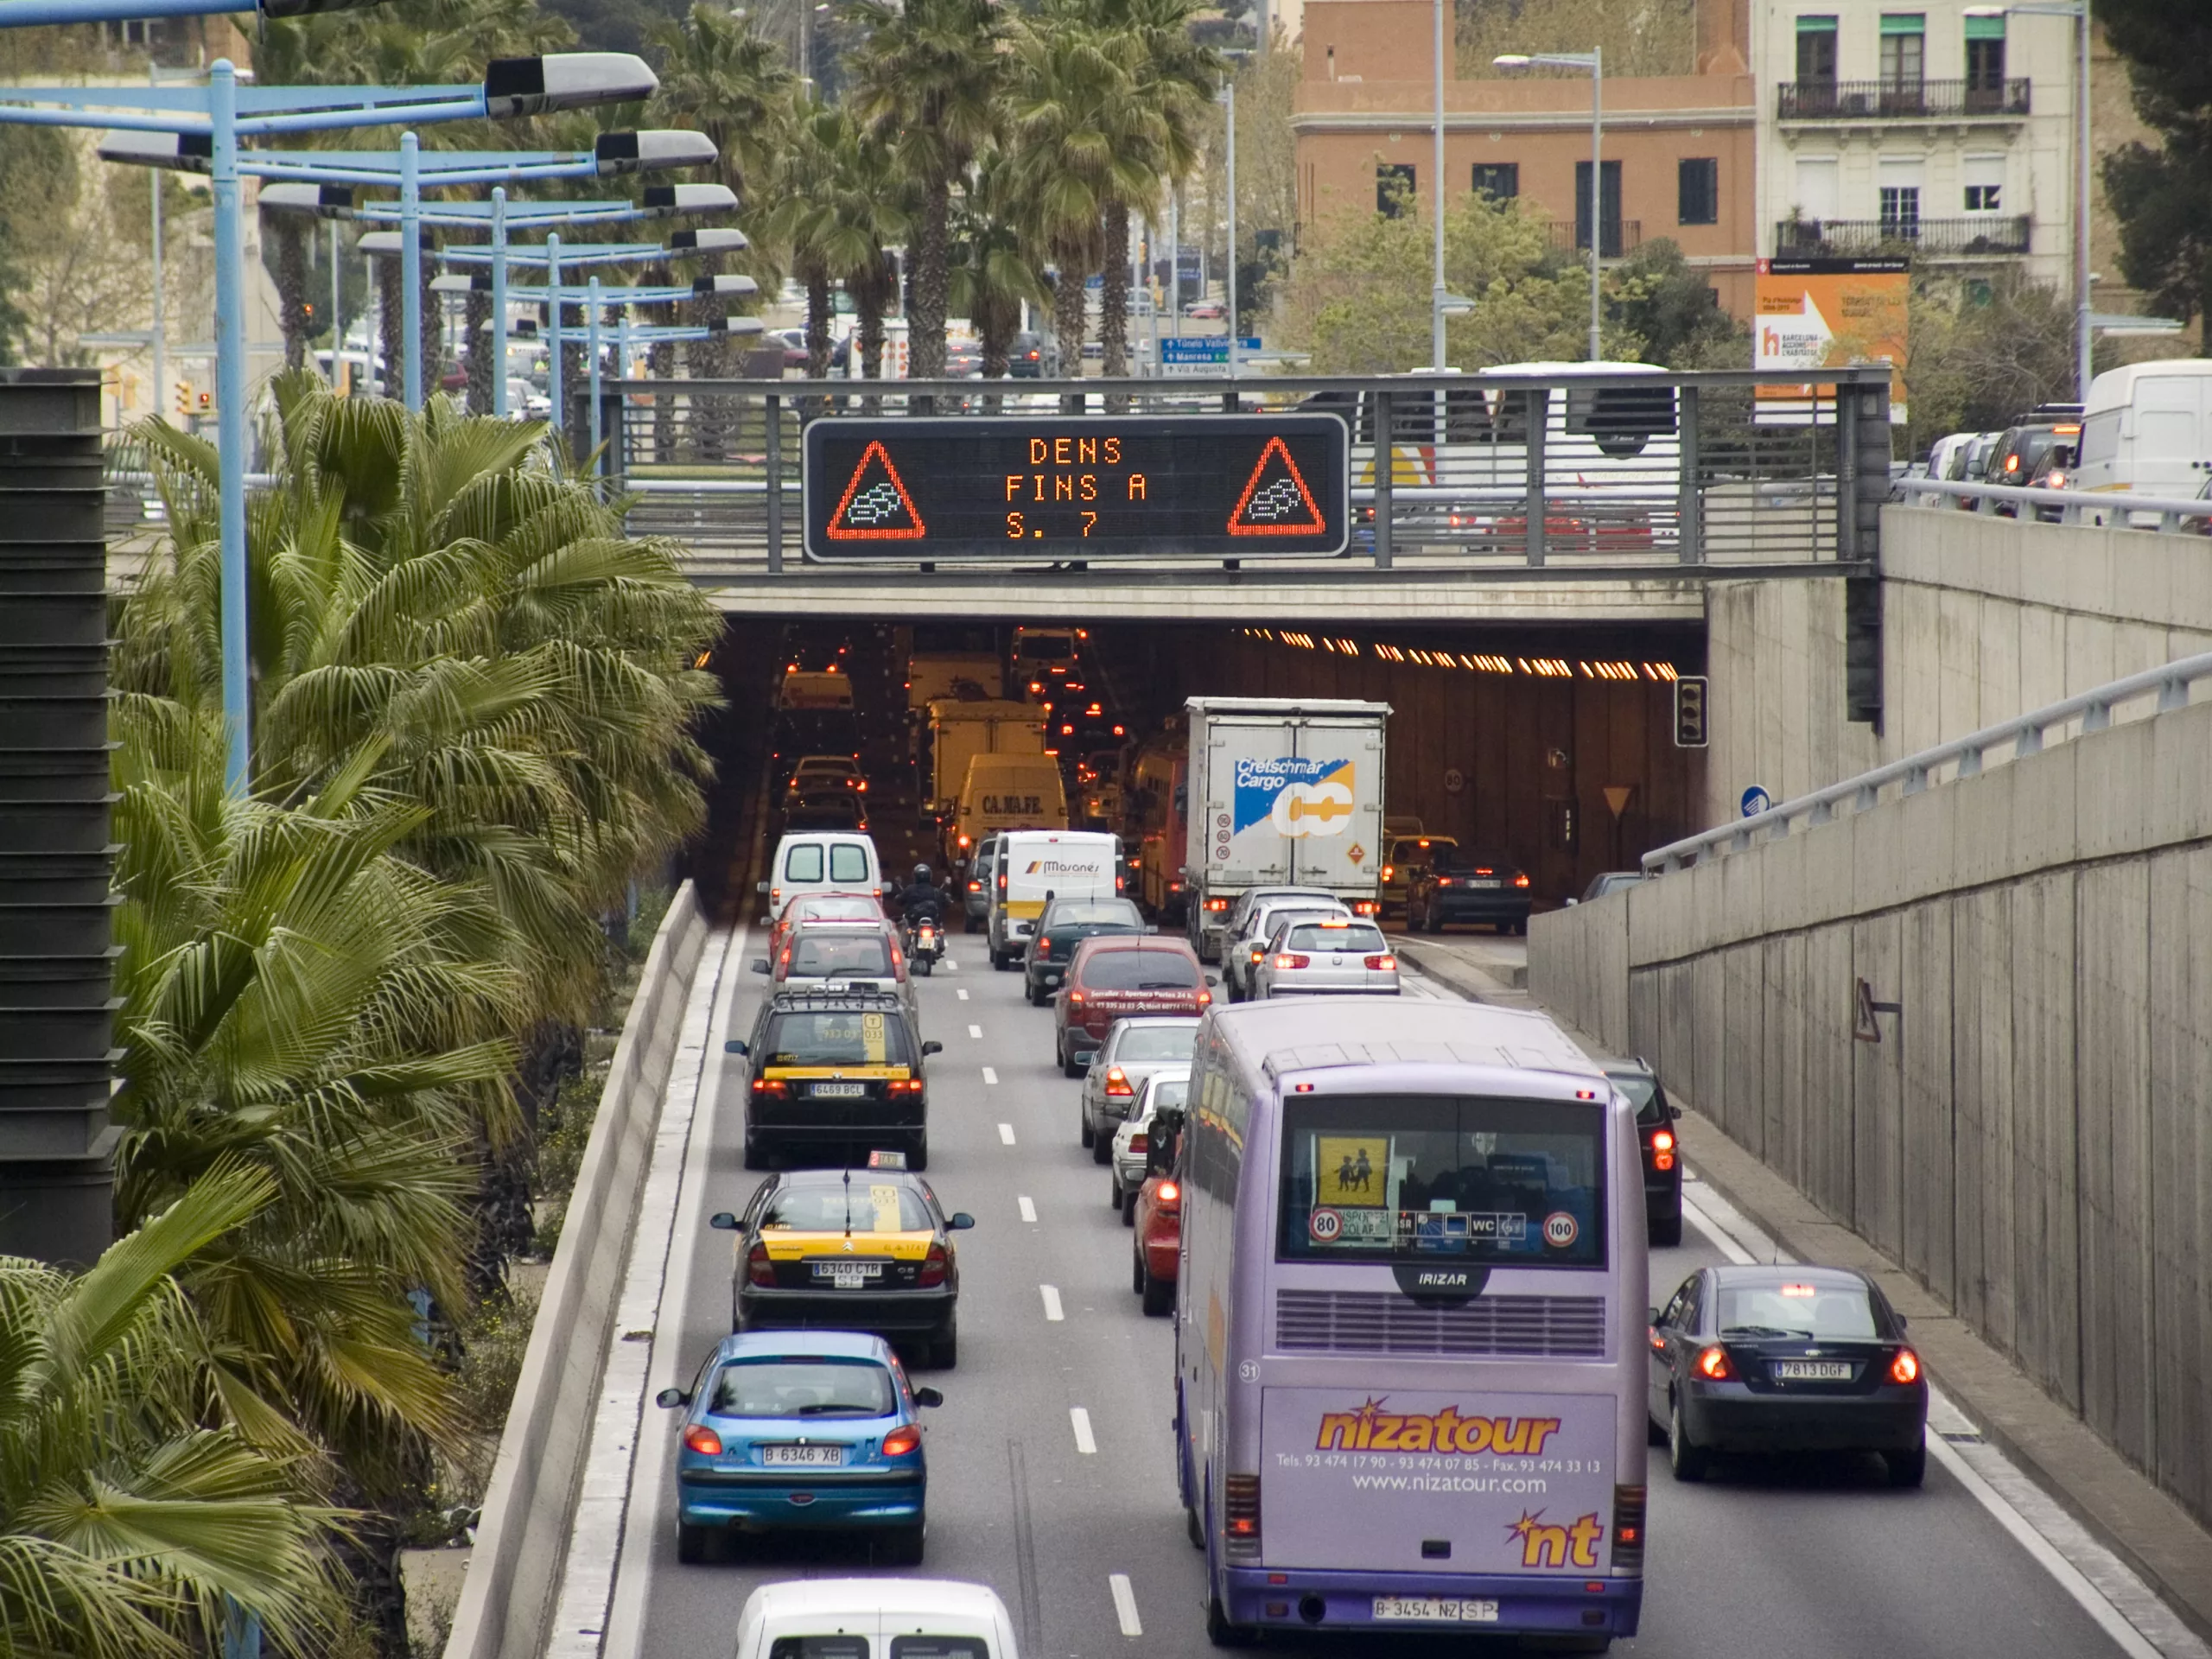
2031,1136
1982,618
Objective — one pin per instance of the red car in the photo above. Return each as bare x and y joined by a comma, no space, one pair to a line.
1112,976
1159,1209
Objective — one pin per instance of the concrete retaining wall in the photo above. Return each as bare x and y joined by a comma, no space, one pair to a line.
2032,1137
508,1598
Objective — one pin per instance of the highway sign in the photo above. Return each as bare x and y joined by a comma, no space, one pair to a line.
1076,488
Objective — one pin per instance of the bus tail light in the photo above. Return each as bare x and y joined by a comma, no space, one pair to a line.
1628,1529
759,1269
1241,1517
934,1267
1117,1083
1713,1363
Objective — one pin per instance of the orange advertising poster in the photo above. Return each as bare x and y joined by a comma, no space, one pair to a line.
1825,313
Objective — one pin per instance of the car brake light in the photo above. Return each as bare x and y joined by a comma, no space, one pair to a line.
1257,952
1075,998
1001,884
1240,1516
1714,1363
974,886
1443,880
703,1440
1139,1143
759,1269
1520,880
900,1442
1292,959
1366,907
769,1086
1906,1367
1117,1083
1045,945
775,895
1168,1192
1663,1150
1388,872
1485,869
934,1266
1382,963
963,840
1206,998
1217,904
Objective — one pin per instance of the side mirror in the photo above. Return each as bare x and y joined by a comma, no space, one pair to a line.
761,921
928,1397
1571,903
1086,1057
759,886
759,964
932,1047
669,1399
1213,979
722,1221
1654,1320
1902,1321
737,1046
961,1221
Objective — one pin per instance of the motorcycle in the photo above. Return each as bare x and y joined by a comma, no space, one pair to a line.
925,944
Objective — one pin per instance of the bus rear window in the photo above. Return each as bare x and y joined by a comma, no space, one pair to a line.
1420,1179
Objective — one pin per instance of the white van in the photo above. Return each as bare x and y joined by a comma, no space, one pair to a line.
828,690
1065,863
1005,791
821,861
883,1618
2147,427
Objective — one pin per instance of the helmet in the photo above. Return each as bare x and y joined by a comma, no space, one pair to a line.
923,877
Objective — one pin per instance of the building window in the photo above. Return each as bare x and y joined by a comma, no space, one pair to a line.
1983,199
1498,179
1697,191
1984,182
1393,189
1900,213
1905,42
1609,210
1816,52
1985,62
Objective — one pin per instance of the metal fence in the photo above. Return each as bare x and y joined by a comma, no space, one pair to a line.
1582,469
1858,100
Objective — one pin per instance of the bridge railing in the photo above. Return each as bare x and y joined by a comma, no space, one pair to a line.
2123,508
1631,469
1961,757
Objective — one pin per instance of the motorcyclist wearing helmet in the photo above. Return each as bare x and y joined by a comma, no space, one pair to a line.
921,899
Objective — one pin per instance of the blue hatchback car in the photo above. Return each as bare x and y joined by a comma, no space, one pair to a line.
801,1429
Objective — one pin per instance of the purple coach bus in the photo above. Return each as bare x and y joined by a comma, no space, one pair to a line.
1409,1365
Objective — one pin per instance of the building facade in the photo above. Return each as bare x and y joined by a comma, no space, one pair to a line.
1946,131
1678,158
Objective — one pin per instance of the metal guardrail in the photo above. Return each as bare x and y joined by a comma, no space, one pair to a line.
1974,235
2099,505
1915,773
1673,472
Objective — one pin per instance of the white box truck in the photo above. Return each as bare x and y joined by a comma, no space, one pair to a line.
959,731
1283,791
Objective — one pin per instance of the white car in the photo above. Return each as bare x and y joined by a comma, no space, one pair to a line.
875,1615
1135,1048
1169,1086
1239,957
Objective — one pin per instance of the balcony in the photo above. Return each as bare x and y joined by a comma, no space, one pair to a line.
1982,236
1615,237
1882,100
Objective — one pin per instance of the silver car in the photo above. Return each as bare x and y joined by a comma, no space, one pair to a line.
1240,957
1169,1086
1333,955
1132,1051
1242,907
858,955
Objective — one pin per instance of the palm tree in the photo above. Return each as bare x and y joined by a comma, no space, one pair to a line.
798,225
719,77
135,1506
992,273
928,80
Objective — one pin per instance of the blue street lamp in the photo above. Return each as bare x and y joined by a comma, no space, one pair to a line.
217,116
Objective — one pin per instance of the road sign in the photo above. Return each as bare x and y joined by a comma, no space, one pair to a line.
1076,488
1690,725
1755,801
1200,353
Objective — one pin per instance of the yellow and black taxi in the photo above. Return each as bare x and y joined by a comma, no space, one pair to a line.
835,1070
849,1249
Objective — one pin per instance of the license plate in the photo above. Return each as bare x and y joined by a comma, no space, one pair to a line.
838,1090
1811,1371
1486,884
849,1276
1447,1609
803,1457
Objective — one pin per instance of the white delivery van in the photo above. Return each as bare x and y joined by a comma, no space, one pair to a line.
883,1618
1033,863
1005,791
2147,427
829,690
821,861
959,731
1045,658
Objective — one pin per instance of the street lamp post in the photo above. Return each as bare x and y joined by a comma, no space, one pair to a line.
1229,94
1594,61
1436,186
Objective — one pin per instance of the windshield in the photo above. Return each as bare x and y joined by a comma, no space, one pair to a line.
825,955
1411,1177
1103,912
1167,1093
865,1206
1157,1042
849,907
1265,923
1643,1091
1046,647
1141,971
836,1037
1313,937
814,1387
1795,1310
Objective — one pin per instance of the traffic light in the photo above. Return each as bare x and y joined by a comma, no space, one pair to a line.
1690,725
183,390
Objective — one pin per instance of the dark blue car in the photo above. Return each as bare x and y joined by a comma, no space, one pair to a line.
801,1429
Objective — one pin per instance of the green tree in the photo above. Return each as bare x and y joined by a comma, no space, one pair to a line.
2163,197
1658,297
718,77
928,79
993,274
1976,354
798,223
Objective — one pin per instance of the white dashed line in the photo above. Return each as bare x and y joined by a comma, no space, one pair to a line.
951,966
976,1031
990,1075
1125,1603
963,992
1052,1295
1028,1209
1083,1441
1006,1135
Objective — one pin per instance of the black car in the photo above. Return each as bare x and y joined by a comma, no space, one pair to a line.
1765,1359
851,1250
1066,923
1457,885
1025,358
2020,451
835,1070
1663,1150
822,809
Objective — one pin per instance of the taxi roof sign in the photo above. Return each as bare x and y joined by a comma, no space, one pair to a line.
881,1159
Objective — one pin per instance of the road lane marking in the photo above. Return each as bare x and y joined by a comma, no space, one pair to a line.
1084,1442
1028,1209
1051,1294
1006,1135
1125,1603
951,966
963,992
2026,1513
990,1075
976,1031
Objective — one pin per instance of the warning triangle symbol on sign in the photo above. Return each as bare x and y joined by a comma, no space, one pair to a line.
875,507
1275,502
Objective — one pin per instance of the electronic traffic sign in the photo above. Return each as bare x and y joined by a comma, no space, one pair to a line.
1076,488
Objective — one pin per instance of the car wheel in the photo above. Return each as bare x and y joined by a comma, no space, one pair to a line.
902,1546
923,966
1908,1468
1220,1632
944,1347
1083,1124
1191,1529
918,1151
1102,1149
1435,921
1158,1294
692,1544
1068,1067
1690,1461
1129,1209
1136,1266
752,1157
1114,1199
1667,1232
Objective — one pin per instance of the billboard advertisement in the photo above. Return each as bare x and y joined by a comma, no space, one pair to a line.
1825,313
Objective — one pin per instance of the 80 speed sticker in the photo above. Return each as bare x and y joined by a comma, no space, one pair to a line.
1325,1226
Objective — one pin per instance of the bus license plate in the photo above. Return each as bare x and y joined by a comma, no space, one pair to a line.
1811,1371
805,1457
1443,1611
838,1090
